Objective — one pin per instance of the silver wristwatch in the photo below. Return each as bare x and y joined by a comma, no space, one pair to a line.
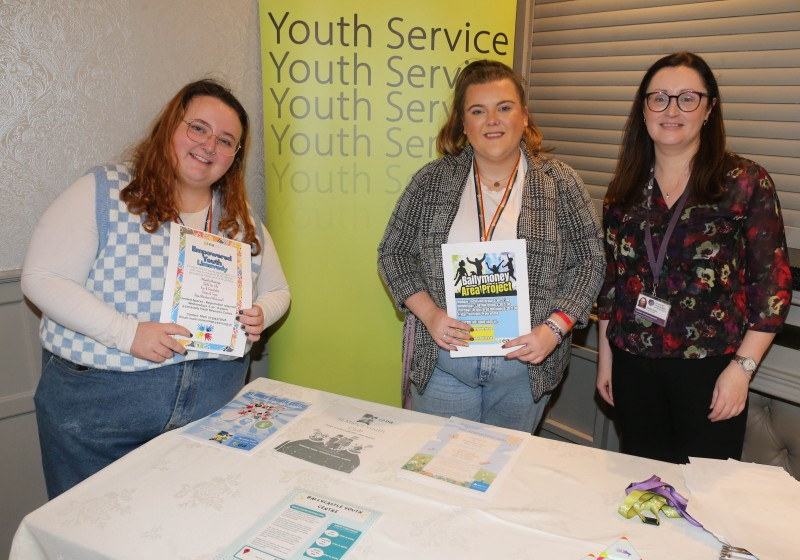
748,364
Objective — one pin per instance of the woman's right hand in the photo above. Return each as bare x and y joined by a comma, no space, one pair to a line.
445,331
604,383
153,341
604,360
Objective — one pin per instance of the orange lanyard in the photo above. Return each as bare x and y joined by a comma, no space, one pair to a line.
487,233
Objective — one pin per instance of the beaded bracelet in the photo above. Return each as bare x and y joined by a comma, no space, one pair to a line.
563,316
555,328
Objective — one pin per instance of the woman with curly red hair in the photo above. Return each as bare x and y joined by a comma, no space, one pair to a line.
113,376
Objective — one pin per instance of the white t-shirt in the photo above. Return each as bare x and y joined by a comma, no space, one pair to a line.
465,226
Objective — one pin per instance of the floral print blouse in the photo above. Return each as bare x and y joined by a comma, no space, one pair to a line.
726,269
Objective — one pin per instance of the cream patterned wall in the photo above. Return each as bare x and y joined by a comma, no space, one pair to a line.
81,80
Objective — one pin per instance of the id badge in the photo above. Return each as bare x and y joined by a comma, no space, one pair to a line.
651,308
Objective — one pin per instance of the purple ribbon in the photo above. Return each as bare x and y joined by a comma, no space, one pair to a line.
674,499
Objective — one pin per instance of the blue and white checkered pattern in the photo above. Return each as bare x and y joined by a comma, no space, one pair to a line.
128,275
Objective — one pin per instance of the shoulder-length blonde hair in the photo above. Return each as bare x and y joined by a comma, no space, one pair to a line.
451,139
152,192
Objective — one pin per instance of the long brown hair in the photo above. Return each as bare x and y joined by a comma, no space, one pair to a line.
155,172
451,139
637,152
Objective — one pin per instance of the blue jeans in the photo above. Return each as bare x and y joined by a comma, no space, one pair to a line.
487,389
89,418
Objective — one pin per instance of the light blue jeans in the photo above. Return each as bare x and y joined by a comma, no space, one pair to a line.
488,389
89,418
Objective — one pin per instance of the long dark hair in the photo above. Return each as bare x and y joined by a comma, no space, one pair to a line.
451,139
152,192
637,152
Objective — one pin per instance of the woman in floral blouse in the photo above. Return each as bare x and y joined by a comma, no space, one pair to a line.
697,282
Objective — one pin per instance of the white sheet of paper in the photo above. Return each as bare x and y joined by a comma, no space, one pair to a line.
304,525
208,279
466,457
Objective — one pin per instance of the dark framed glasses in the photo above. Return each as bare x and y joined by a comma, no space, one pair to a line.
687,101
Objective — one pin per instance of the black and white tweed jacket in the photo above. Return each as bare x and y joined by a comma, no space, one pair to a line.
566,262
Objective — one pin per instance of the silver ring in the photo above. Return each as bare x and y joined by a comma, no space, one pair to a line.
448,333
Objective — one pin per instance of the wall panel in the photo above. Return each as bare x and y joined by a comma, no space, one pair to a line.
588,56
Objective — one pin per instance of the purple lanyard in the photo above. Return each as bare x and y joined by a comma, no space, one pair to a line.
655,485
657,263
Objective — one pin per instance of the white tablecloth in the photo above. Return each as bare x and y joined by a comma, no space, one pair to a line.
176,498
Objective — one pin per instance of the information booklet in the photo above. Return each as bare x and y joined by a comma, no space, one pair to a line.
303,525
208,280
466,457
341,437
488,290
244,423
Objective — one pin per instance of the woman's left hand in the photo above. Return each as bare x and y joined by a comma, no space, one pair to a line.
536,345
251,322
730,393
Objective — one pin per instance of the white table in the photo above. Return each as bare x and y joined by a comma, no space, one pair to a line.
176,498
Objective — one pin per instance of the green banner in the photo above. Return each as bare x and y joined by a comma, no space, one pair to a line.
354,95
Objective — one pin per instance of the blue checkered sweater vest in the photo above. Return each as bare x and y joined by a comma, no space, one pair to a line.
128,275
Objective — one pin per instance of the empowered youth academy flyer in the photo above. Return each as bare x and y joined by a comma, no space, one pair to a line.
208,279
488,289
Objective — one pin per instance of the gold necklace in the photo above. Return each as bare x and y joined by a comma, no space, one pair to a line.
498,182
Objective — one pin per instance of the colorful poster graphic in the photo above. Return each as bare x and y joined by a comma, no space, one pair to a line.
208,279
489,291
354,94
245,422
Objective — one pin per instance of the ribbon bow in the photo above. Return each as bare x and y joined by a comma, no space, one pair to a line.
653,495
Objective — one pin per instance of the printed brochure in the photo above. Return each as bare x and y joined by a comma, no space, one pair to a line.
488,290
303,525
245,422
208,280
341,437
466,457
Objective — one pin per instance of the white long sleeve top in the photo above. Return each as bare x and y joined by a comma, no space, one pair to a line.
61,254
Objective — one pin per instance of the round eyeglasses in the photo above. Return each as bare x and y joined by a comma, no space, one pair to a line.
200,132
688,101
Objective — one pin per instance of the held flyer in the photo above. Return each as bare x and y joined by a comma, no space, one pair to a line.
488,290
245,422
209,278
465,457
303,525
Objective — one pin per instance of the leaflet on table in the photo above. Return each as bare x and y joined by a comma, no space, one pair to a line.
489,291
466,457
341,437
208,280
303,525
245,422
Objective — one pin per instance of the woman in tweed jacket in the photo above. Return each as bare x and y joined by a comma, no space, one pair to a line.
488,140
